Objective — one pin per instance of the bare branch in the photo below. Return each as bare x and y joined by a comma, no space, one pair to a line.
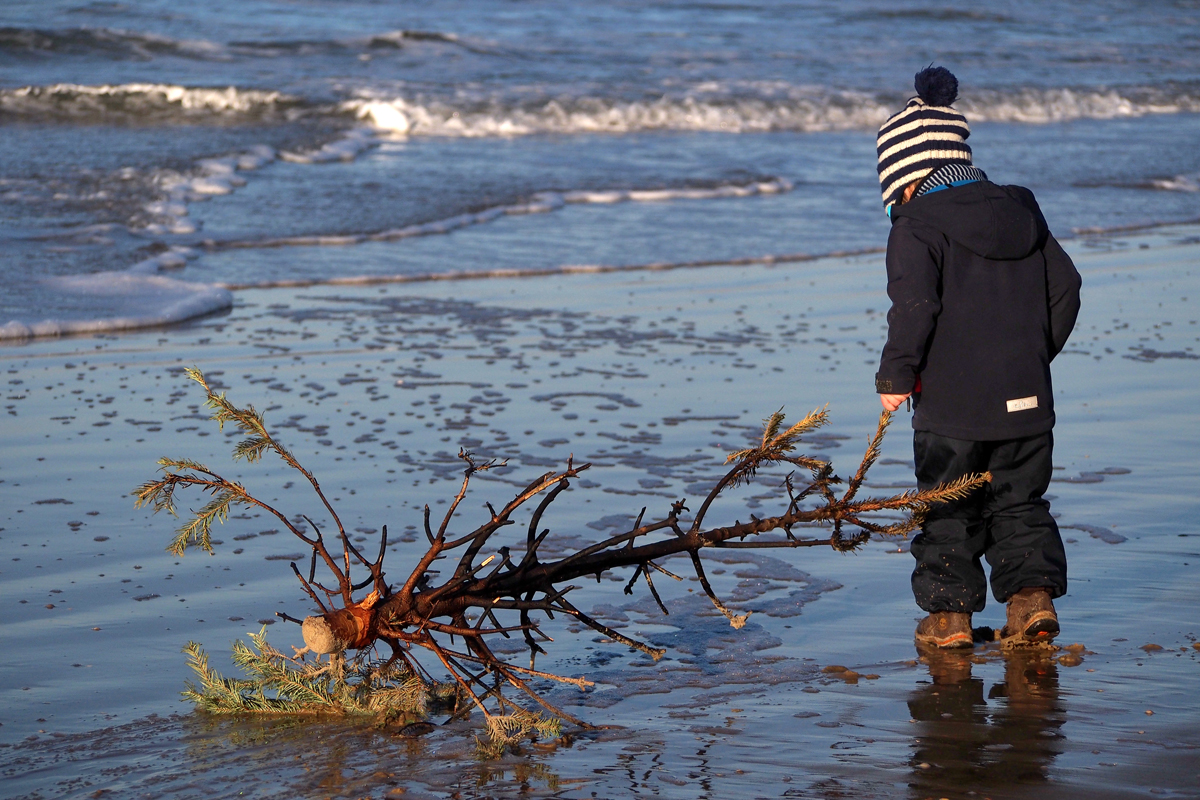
475,603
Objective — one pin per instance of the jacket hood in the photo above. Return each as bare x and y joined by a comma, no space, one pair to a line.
1001,223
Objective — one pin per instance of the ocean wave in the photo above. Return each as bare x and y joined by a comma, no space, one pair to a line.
373,43
111,42
146,102
732,108
118,44
539,203
567,115
1188,183
1180,183
797,109
535,272
1040,106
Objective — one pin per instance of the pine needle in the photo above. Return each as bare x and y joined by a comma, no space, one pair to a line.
277,684
506,730
775,445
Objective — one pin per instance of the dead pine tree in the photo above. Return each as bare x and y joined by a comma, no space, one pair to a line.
509,592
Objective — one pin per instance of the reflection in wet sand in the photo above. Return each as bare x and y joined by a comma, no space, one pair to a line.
966,741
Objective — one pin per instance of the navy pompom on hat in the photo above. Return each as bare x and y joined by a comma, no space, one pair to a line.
925,135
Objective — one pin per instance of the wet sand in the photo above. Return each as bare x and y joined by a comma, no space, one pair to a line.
652,377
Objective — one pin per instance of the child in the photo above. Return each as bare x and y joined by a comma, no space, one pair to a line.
983,298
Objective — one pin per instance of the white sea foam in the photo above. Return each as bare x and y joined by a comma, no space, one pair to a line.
599,115
131,299
211,177
1180,183
733,108
140,101
727,109
346,148
1060,105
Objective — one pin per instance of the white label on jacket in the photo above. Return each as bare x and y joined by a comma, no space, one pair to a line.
1022,403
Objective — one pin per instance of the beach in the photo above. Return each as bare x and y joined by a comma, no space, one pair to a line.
555,233
652,376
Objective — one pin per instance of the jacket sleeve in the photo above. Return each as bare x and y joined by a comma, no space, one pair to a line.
1062,294
914,257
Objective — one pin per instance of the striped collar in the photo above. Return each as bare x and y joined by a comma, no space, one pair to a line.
950,175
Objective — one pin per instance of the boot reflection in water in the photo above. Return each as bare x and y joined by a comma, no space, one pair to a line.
964,742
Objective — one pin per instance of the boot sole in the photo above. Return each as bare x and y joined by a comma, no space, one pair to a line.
1042,626
955,641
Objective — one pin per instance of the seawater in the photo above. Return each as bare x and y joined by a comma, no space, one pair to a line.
154,156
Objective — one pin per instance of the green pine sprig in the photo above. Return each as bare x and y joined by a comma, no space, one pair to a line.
277,684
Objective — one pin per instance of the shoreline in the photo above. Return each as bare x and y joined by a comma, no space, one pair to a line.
193,301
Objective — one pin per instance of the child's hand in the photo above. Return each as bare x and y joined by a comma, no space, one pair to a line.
892,401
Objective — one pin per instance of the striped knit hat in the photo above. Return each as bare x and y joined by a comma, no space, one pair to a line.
923,136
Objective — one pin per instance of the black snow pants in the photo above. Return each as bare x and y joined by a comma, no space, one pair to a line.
1006,522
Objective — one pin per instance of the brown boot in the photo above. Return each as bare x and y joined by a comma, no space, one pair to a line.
945,629
1031,615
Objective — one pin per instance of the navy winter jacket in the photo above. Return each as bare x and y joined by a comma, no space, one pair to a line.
983,298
